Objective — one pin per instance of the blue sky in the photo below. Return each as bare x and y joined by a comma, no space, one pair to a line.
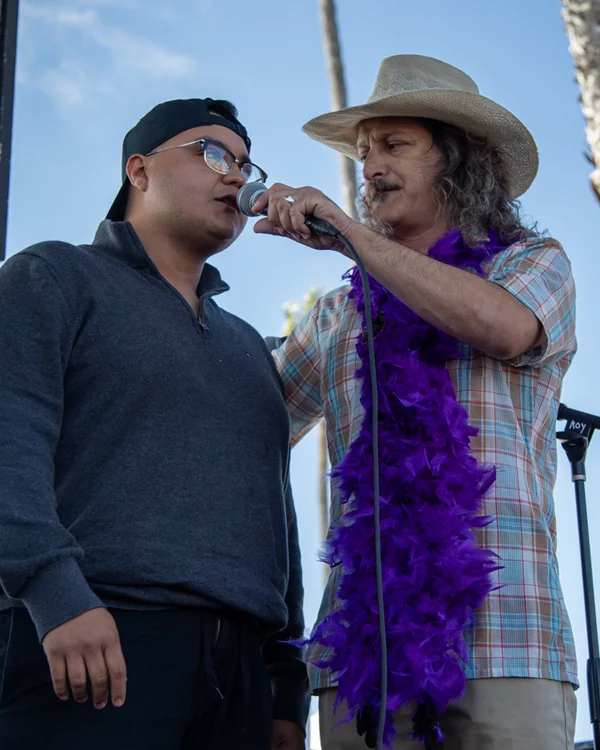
89,69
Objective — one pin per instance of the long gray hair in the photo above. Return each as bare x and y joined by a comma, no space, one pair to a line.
470,188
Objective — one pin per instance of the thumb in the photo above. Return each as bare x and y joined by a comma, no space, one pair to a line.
264,226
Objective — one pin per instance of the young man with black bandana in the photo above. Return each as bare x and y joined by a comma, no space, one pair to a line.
149,555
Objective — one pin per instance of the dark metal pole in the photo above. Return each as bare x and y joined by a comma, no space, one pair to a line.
9,14
593,665
575,440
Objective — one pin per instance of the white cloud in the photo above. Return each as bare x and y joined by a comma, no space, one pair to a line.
66,86
70,87
59,16
136,54
79,60
121,4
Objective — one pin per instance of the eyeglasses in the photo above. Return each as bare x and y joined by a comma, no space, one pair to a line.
220,159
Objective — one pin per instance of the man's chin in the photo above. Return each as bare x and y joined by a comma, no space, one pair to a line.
381,222
387,210
224,234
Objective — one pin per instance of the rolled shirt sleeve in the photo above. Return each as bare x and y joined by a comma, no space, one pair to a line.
539,275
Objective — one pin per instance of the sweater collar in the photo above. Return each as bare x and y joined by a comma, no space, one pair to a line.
120,240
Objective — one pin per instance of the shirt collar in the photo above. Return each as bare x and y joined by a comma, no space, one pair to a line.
119,239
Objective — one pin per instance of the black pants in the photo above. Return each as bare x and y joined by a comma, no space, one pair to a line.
183,691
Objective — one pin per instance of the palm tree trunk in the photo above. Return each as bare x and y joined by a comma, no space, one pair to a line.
582,21
339,99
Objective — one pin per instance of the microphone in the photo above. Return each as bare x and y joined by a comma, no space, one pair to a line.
249,193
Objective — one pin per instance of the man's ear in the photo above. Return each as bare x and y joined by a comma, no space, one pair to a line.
137,172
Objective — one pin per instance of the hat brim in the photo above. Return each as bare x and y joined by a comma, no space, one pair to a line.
472,112
117,211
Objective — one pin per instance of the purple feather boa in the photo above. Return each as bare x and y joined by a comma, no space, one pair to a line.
434,573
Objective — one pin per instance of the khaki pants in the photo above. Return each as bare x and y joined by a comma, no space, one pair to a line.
496,714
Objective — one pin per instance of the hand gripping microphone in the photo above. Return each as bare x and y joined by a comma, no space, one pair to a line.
249,193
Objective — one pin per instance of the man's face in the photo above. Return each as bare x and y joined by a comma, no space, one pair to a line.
190,199
400,164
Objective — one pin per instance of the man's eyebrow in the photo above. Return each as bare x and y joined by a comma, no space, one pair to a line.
381,136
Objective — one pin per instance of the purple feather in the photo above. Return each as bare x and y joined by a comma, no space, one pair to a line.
431,490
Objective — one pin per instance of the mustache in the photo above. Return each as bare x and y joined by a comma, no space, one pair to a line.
378,190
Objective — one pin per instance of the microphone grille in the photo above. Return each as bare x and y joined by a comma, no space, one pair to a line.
248,195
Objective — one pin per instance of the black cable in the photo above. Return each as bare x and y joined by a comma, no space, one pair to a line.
376,507
246,198
325,229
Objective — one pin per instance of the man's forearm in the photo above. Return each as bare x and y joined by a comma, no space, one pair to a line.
461,304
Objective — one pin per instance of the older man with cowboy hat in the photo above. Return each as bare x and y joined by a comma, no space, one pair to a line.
474,317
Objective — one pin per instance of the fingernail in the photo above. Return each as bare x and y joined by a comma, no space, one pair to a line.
119,702
64,697
100,706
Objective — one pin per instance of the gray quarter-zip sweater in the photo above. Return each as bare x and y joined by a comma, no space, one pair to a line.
144,451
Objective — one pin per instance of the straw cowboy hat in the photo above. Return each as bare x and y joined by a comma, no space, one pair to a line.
417,86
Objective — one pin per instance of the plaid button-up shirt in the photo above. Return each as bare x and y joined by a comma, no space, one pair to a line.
523,629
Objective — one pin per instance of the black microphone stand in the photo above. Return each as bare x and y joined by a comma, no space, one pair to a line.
575,440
